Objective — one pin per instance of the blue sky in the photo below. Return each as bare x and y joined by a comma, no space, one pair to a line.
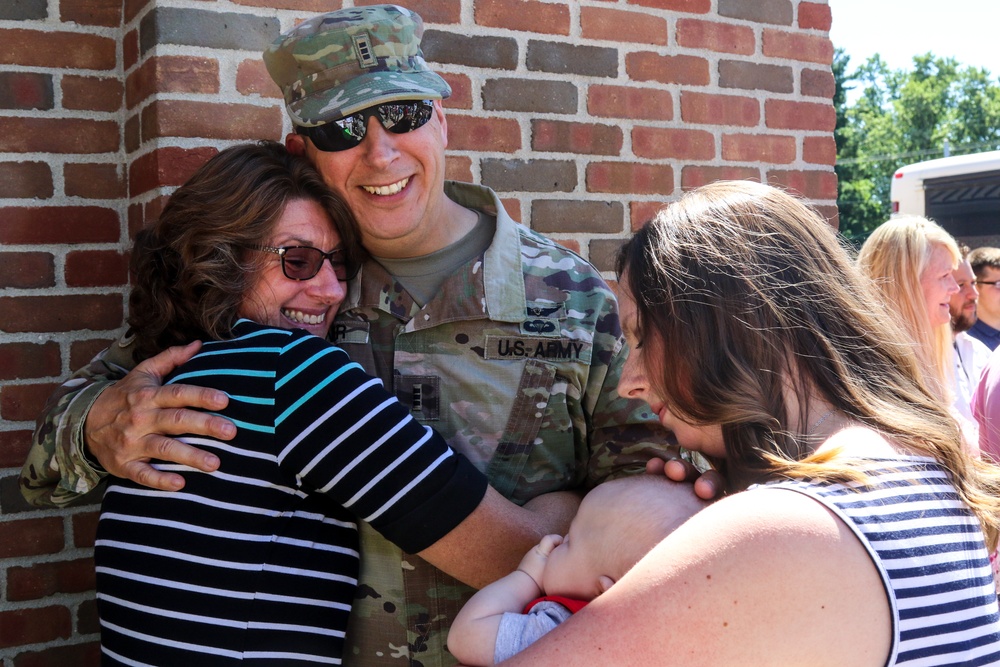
968,30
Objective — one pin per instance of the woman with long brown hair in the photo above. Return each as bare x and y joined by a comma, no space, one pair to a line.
858,530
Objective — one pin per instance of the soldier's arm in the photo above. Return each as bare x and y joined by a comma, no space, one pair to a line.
107,419
489,544
57,471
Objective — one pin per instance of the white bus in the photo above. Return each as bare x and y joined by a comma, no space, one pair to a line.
961,193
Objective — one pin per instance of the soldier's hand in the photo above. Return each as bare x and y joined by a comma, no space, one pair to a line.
708,485
131,421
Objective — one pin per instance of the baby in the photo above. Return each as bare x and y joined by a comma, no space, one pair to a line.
617,524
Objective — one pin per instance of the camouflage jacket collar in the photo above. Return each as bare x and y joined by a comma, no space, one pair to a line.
491,286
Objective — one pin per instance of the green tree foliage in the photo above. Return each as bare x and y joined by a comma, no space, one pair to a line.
902,117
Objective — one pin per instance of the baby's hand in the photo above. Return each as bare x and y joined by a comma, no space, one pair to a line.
533,563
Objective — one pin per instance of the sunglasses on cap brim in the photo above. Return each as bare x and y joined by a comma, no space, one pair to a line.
349,131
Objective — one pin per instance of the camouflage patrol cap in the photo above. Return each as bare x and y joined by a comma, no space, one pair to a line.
336,64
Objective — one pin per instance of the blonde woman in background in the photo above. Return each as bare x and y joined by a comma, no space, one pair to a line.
911,260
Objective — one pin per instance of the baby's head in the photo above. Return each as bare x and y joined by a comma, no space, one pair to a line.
617,524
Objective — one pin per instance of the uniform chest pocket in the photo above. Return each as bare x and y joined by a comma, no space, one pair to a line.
521,433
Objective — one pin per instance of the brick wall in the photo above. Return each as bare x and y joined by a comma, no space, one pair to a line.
585,116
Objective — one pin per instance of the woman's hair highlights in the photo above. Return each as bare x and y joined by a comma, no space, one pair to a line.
192,268
744,294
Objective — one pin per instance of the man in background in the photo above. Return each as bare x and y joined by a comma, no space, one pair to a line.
971,355
985,264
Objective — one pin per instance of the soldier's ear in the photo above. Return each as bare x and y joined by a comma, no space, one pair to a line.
295,143
442,121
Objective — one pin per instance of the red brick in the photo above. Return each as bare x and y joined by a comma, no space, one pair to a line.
166,167
82,351
94,180
797,46
87,620
569,137
14,447
208,120
693,176
642,212
689,6
759,77
107,13
630,178
527,15
58,224
713,109
91,93
24,402
431,11
130,49
622,26
720,37
476,133
69,50
26,90
59,135
133,7
629,102
25,180
819,150
773,149
33,626
44,314
78,655
173,74
603,253
458,168
27,270
513,208
85,529
461,91
815,16
31,537
96,268
659,143
570,244
791,115
133,134
43,579
818,83
808,184
252,79
29,360
649,66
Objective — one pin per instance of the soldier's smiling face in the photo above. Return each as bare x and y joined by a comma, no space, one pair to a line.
394,184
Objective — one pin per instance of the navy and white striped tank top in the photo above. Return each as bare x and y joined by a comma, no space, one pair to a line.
928,548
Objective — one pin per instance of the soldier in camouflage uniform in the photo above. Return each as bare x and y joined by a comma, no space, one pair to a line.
502,340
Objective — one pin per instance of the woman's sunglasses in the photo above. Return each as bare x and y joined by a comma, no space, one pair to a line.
302,262
347,132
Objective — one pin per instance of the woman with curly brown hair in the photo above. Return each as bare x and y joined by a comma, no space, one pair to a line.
257,561
859,529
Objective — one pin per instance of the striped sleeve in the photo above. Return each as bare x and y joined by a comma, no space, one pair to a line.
348,438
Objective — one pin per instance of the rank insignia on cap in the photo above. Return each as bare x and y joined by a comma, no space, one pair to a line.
363,44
